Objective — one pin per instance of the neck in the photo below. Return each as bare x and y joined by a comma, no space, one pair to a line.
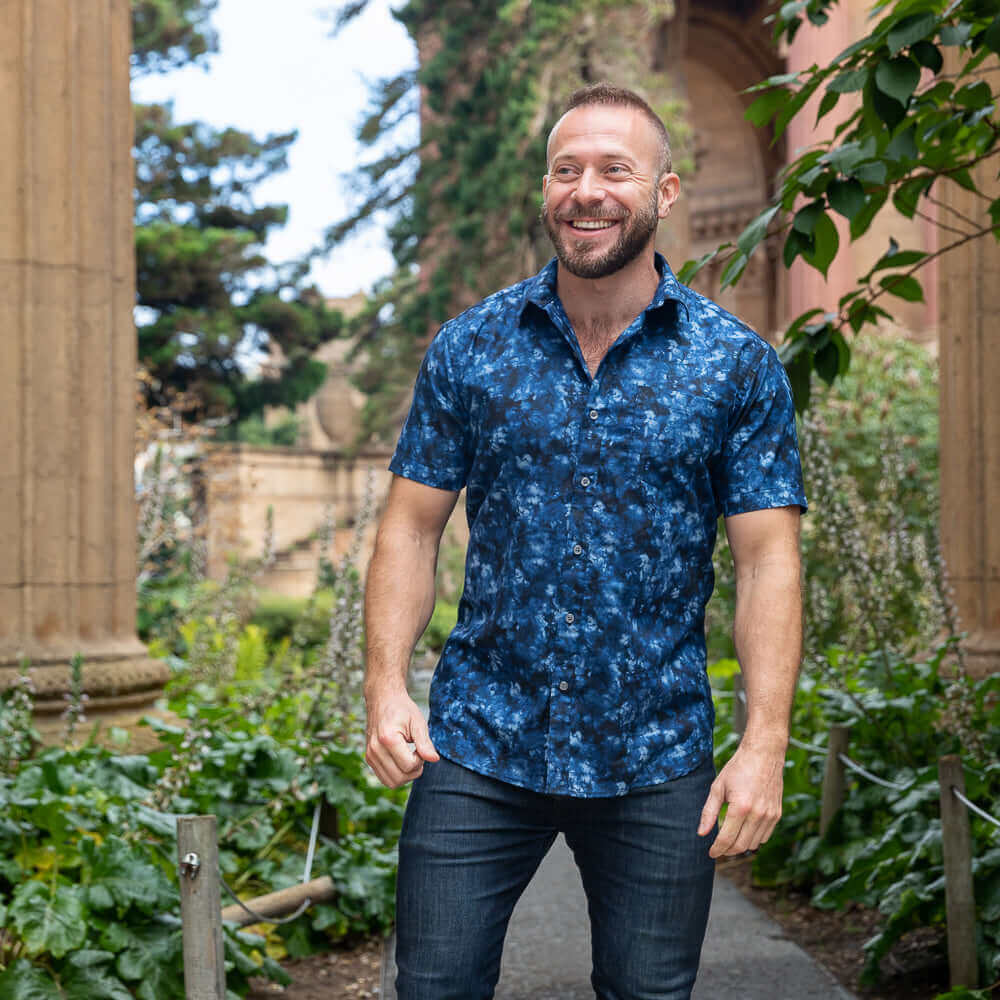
615,300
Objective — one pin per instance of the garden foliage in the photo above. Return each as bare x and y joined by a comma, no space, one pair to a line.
272,728
881,656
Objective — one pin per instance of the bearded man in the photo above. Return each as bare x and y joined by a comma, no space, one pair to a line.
601,417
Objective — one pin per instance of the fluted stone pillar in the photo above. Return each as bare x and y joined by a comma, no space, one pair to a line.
67,358
970,420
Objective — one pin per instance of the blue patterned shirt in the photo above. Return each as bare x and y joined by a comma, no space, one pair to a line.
577,666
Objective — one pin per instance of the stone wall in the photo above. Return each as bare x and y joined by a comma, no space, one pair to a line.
304,489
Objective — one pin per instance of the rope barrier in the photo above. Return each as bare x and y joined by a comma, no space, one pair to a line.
972,805
854,766
306,903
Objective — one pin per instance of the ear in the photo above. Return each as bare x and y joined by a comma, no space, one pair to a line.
545,184
668,190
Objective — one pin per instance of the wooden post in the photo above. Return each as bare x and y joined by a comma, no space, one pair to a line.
833,777
739,705
960,902
201,908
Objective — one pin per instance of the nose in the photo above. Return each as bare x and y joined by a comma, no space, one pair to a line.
589,188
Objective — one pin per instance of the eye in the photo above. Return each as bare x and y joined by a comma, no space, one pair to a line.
617,168
563,171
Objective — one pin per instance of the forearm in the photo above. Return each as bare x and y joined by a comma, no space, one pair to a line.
399,601
768,637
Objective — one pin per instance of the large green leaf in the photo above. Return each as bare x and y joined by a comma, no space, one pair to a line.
904,286
898,78
24,981
756,231
49,918
148,955
909,30
846,197
119,875
94,982
825,244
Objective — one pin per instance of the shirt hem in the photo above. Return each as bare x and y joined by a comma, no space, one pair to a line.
421,474
745,503
598,792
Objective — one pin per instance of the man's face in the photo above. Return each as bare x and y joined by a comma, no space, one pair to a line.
602,196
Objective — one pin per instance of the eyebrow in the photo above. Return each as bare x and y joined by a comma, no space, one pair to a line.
619,154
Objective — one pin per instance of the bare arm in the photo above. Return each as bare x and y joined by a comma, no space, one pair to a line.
768,636
399,601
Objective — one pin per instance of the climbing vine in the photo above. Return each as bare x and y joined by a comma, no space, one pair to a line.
465,197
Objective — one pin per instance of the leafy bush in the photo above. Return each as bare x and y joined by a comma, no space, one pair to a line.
870,554
884,847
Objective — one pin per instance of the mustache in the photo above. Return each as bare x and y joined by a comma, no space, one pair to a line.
604,214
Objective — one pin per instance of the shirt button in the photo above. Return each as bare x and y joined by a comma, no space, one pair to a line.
585,480
570,618
563,685
593,414
577,549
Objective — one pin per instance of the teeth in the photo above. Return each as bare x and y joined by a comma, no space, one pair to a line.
604,224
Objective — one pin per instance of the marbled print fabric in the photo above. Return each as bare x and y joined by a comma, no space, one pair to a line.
577,666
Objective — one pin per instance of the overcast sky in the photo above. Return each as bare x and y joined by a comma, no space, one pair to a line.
278,69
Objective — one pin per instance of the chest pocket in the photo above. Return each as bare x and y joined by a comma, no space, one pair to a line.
665,442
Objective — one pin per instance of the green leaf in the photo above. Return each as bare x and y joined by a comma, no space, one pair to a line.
955,34
94,983
882,108
806,217
732,271
49,918
848,81
929,55
825,244
828,103
903,145
121,875
827,361
897,258
846,197
903,286
795,244
974,95
150,957
909,30
765,107
906,197
898,78
24,981
756,231
692,267
991,36
799,371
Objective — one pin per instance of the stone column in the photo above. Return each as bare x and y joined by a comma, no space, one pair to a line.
67,359
969,326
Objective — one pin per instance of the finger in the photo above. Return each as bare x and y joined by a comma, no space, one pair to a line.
388,772
422,739
725,843
716,796
395,749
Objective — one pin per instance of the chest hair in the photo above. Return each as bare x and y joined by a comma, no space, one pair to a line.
595,340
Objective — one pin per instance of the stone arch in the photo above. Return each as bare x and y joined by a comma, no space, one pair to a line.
718,51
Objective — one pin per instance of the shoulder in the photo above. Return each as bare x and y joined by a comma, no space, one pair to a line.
719,326
500,310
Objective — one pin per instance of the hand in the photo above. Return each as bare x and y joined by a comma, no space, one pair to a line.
397,740
751,782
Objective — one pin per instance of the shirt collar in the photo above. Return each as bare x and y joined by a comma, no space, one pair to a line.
541,289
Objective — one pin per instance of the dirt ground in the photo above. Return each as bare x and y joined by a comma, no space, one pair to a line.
916,969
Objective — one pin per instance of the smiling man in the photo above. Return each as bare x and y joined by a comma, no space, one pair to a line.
601,418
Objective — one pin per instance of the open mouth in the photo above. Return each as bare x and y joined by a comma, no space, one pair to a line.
591,225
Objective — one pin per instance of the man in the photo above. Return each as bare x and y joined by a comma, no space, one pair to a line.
600,416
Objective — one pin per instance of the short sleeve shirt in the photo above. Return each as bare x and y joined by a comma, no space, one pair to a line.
577,665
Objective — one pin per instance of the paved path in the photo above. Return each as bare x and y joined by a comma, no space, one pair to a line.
746,955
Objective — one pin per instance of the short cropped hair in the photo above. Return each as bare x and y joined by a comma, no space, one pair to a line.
607,94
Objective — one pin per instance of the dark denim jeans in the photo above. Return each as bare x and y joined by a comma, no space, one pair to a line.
470,844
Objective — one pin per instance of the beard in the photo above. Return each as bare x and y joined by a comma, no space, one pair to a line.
582,258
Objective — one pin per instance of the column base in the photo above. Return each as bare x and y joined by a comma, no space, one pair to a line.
982,653
120,691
